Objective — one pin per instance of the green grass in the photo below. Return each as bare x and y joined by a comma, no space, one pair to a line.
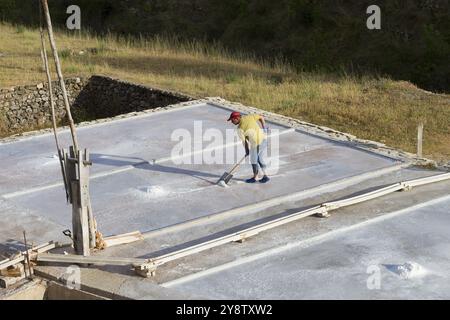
372,108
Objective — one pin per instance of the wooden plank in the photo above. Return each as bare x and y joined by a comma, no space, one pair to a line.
6,282
123,238
83,174
85,197
21,257
79,223
17,270
52,102
62,84
236,236
363,197
92,226
97,260
41,248
428,180
145,270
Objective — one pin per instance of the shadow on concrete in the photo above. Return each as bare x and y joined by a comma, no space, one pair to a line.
11,247
139,163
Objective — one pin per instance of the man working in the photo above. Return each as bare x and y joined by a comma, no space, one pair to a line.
254,140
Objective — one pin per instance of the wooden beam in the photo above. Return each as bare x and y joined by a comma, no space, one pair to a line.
32,252
236,236
87,225
6,282
52,102
97,260
59,72
428,180
363,197
123,239
17,270
79,223
143,267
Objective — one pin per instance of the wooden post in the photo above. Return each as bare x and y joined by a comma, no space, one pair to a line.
76,172
80,220
52,102
83,167
27,255
59,72
419,139
83,225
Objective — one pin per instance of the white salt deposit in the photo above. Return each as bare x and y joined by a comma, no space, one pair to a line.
223,184
53,160
151,192
410,270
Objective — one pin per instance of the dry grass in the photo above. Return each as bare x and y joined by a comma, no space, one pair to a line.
372,108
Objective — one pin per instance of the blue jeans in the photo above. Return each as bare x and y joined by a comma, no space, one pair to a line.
258,155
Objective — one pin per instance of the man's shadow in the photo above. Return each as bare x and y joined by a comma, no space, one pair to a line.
139,163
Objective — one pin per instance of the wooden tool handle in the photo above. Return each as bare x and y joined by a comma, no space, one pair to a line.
236,166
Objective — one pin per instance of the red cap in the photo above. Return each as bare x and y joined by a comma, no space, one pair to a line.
234,115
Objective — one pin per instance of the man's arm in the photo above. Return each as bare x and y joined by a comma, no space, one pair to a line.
262,121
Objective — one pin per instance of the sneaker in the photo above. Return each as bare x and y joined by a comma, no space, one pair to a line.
264,179
251,180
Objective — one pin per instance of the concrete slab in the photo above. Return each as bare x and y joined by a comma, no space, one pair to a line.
345,264
165,242
147,196
32,161
130,192
112,285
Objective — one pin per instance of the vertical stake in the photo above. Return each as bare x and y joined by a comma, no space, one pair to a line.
419,139
27,255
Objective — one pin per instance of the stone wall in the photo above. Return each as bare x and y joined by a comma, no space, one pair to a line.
103,97
26,108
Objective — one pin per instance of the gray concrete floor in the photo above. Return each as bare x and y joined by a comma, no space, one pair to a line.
337,266
120,200
130,193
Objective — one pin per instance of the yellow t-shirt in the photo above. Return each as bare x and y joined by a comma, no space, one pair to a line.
249,128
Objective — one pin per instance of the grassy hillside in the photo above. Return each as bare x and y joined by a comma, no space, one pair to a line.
413,43
373,108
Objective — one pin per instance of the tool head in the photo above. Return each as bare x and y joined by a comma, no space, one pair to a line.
226,177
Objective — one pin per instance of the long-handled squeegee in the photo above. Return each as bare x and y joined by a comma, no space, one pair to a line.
226,177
